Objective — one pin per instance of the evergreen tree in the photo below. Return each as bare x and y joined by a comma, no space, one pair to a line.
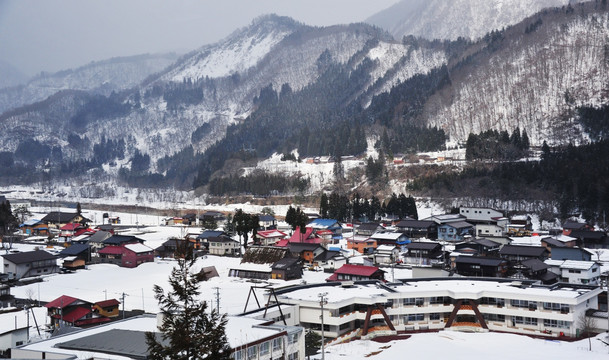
78,209
7,220
312,343
188,330
323,206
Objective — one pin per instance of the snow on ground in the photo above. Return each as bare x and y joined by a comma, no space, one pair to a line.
459,345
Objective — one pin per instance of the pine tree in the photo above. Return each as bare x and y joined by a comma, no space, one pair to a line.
188,330
323,205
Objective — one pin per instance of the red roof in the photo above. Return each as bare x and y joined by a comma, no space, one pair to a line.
111,250
61,302
106,303
70,226
298,237
91,321
282,243
76,314
360,270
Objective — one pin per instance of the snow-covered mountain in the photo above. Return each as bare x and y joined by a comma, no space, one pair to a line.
542,70
100,77
230,74
451,19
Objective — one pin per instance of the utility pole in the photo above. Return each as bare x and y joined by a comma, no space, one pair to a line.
123,298
322,301
217,299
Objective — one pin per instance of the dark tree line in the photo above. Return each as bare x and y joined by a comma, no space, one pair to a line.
259,183
495,145
341,208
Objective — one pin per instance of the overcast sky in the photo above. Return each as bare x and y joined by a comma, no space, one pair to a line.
51,35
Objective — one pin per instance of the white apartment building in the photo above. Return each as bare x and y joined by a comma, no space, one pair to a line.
371,309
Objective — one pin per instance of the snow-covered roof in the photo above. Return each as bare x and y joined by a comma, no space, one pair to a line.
382,248
387,235
571,264
138,248
253,267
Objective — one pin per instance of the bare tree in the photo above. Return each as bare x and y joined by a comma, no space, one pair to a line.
587,326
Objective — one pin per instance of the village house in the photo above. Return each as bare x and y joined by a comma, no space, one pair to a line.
224,246
576,272
327,224
572,253
350,272
267,222
446,218
70,311
362,245
257,262
479,266
127,255
34,227
387,254
108,308
455,231
418,228
29,264
330,260
269,237
423,253
169,248
367,229
391,238
479,247
58,219
287,269
76,256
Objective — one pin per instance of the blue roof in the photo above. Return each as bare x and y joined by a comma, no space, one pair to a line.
323,222
209,233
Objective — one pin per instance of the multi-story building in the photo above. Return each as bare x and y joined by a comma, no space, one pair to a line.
369,309
576,272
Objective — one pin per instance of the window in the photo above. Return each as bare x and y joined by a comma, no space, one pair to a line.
276,344
434,316
524,304
292,338
414,301
238,355
265,348
293,356
494,317
556,323
563,308
415,317
524,320
492,301
252,352
439,300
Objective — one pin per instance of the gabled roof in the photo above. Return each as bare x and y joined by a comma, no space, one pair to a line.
387,235
58,216
99,236
111,250
70,226
486,242
328,255
31,222
534,264
138,248
553,242
574,225
76,314
222,239
210,233
523,250
62,302
285,263
360,270
323,223
122,239
266,218
298,237
106,303
29,256
369,226
300,247
479,260
74,249
590,235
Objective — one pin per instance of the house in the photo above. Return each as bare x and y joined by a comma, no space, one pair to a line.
58,219
535,269
349,272
309,236
455,231
269,237
480,266
423,253
517,253
287,269
327,224
96,241
362,245
190,219
175,220
494,230
128,255
446,218
387,254
29,264
267,222
591,239
67,310
524,220
390,238
120,240
76,256
330,260
34,227
223,246
479,247
257,262
479,215
367,229
576,272
418,228
202,241
107,308
212,216
169,248
306,252
571,225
